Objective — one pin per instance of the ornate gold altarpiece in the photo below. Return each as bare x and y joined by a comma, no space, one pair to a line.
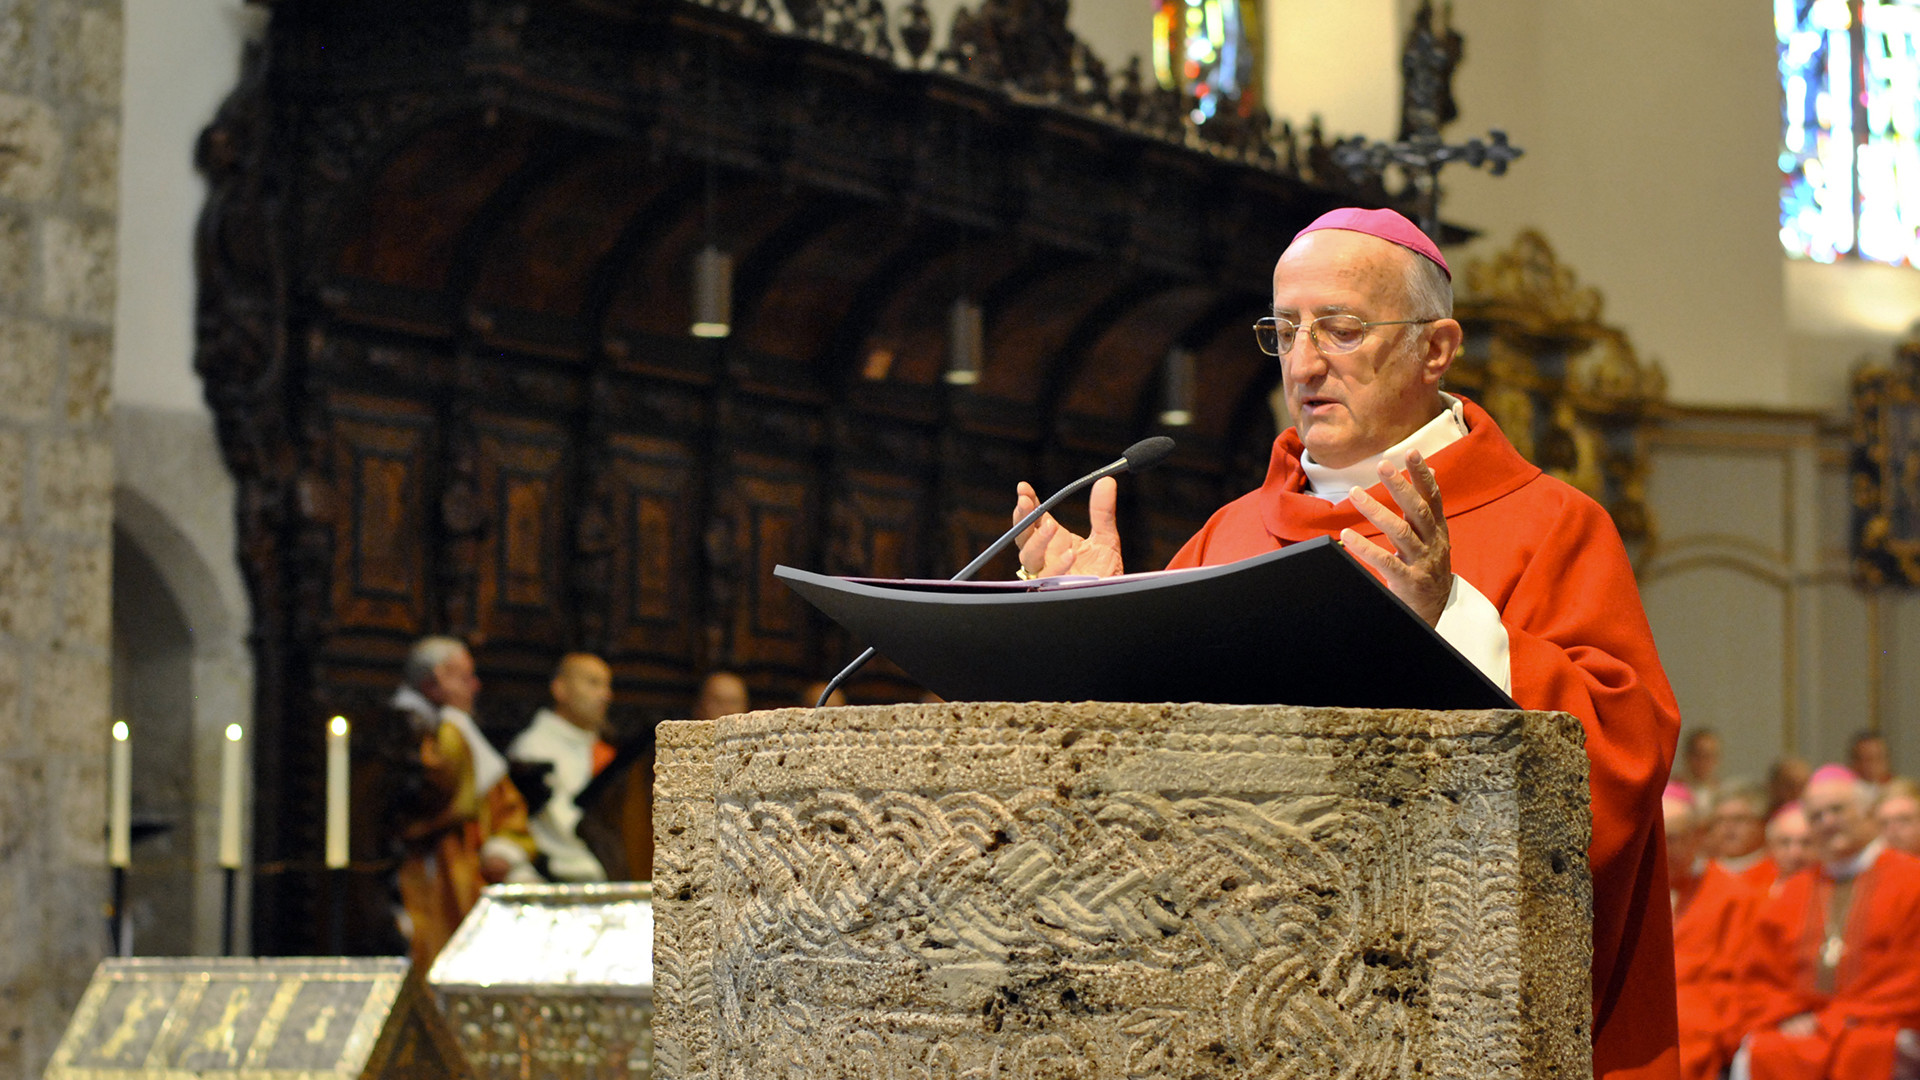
1885,469
552,981
1567,388
299,1018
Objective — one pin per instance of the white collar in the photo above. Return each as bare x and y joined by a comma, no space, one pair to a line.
1848,869
488,765
1334,485
563,728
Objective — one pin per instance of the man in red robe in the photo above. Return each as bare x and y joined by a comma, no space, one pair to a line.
1789,843
1711,910
1736,835
1832,975
1522,572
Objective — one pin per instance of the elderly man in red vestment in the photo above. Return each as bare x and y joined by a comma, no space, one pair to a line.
1736,835
1525,575
1832,976
1711,910
1789,844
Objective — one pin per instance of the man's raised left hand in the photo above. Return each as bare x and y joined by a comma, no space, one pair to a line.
1420,568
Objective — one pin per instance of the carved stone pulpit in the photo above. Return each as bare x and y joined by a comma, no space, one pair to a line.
1114,890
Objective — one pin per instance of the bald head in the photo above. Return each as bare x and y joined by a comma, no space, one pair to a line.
810,697
582,689
721,694
1837,810
1789,840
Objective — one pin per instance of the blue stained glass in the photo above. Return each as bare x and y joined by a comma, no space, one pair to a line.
1850,128
1816,157
1889,159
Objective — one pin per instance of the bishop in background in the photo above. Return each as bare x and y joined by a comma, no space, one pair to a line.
1522,573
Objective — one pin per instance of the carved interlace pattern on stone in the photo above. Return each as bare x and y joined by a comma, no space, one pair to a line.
961,901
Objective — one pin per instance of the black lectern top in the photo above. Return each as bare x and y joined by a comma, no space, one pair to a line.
1305,625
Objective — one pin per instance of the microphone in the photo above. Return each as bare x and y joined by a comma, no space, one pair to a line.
1141,455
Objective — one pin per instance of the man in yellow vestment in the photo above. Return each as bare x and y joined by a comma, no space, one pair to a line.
468,827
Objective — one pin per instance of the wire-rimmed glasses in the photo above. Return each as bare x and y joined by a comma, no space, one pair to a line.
1331,334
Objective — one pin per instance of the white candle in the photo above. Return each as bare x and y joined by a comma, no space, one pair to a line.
232,761
120,798
337,760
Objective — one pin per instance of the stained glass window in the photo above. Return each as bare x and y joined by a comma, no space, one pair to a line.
1210,50
1850,132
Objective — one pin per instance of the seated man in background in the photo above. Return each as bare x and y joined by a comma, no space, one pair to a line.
1789,844
1711,910
466,826
1700,772
722,693
1832,974
568,736
1736,837
810,697
1871,760
1897,815
1785,781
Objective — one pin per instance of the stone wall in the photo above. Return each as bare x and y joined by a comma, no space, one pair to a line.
60,64
1104,890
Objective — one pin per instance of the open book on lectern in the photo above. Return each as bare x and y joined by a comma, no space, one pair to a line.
1304,625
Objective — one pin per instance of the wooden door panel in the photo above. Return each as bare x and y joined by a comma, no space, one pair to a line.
381,450
521,576
770,626
655,498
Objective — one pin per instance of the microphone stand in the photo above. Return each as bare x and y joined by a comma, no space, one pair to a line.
1141,455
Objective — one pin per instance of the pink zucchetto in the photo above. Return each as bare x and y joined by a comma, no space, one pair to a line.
1677,793
1388,225
1826,774
1785,809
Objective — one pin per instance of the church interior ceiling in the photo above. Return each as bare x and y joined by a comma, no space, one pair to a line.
446,289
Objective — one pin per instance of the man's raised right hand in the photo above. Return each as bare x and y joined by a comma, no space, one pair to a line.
1050,550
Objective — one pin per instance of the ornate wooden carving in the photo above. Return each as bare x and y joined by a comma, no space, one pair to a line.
1565,386
1885,470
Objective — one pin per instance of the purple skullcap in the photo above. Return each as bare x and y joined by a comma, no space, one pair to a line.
1827,773
1385,224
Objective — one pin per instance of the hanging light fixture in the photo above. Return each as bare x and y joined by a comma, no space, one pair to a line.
712,267
712,293
966,342
1176,379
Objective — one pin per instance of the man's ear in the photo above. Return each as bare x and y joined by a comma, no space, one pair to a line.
1442,345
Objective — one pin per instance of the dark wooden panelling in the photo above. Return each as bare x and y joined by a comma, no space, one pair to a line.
523,480
658,506
382,455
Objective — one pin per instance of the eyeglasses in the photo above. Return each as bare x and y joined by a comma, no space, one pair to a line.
1331,334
